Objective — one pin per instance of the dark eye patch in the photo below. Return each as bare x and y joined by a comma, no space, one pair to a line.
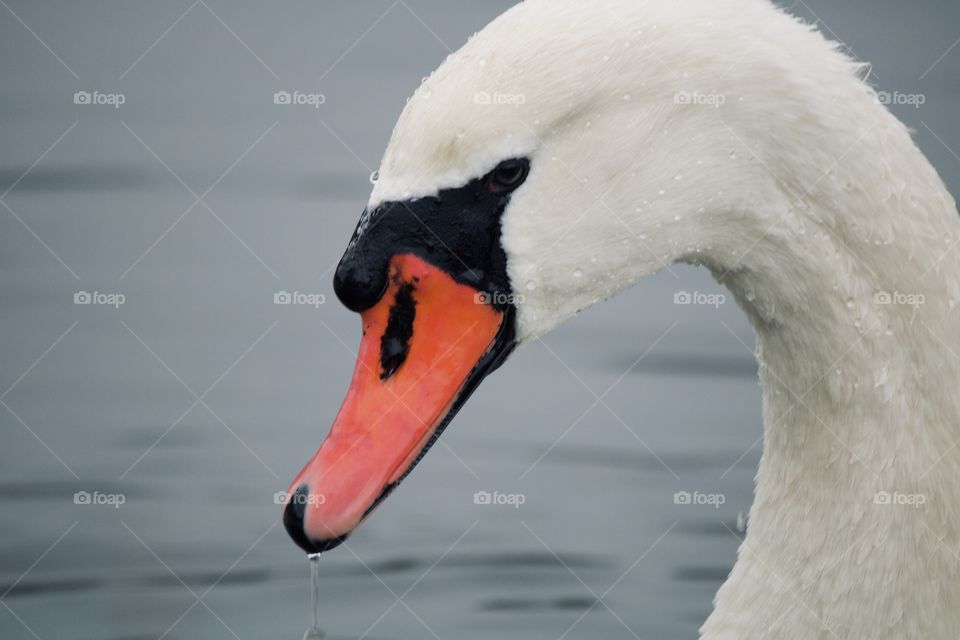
457,230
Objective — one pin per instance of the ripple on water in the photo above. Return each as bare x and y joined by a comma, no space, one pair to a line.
702,573
707,527
567,603
51,586
613,458
77,177
62,489
234,577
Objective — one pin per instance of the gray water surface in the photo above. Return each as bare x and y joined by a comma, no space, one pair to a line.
198,399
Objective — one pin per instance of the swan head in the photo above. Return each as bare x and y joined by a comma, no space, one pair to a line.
563,153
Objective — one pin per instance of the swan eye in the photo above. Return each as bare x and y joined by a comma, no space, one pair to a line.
508,175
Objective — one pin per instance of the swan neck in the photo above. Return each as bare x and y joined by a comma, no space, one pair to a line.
858,345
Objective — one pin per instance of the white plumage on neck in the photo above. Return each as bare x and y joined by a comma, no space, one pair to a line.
731,135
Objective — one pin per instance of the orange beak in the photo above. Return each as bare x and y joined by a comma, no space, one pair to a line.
426,345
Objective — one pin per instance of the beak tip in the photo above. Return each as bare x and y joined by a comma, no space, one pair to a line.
293,522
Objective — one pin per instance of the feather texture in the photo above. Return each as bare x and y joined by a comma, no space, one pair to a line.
730,134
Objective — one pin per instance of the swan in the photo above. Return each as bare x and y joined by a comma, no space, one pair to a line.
573,147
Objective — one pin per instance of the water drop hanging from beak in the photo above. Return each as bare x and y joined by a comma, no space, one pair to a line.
314,632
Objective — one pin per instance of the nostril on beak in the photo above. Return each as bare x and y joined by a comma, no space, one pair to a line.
293,522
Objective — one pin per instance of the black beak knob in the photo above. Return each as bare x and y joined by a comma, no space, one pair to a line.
361,276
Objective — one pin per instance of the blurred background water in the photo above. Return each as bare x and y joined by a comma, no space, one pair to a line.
197,399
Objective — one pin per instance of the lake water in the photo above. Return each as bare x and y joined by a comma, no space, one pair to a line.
183,410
